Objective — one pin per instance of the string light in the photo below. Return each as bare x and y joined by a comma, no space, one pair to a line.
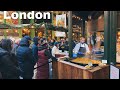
16,31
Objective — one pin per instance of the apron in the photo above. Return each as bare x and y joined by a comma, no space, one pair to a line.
82,50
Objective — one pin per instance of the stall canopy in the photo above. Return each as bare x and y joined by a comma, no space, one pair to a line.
5,26
56,28
48,26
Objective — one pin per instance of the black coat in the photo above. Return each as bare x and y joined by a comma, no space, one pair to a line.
8,65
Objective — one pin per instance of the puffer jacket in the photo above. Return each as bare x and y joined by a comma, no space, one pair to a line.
8,65
25,58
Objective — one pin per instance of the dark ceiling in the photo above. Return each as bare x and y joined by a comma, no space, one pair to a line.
84,14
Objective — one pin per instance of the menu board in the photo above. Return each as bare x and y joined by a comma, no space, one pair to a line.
61,20
114,72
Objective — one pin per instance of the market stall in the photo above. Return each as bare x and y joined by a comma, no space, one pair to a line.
79,69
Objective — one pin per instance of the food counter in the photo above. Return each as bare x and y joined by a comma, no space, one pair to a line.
73,69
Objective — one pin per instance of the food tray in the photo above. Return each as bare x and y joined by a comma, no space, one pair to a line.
71,60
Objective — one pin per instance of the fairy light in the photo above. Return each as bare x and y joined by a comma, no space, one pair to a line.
16,31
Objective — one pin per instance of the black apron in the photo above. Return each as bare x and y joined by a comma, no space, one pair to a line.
82,50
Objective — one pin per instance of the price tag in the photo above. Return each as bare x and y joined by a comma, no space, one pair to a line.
104,61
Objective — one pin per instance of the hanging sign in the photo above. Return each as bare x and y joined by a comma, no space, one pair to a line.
114,72
61,20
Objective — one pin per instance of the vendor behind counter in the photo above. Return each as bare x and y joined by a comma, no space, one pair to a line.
81,49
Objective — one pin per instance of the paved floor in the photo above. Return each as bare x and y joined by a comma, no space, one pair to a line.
50,70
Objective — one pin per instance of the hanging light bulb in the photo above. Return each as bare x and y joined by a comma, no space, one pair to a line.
43,25
16,31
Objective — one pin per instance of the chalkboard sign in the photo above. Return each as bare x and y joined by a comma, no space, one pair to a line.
114,72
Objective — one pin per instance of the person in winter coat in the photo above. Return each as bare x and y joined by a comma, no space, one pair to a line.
25,58
42,64
8,62
15,46
35,48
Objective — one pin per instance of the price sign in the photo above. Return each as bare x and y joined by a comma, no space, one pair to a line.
104,61
114,72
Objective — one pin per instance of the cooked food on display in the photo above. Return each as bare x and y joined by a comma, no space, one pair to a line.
102,64
86,61
88,67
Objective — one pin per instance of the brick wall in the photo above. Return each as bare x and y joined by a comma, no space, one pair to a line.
92,25
89,26
100,24
96,25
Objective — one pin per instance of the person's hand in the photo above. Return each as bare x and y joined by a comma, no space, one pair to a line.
80,53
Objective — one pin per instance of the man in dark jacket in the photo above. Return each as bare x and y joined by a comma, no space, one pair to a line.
25,58
35,48
7,68
8,64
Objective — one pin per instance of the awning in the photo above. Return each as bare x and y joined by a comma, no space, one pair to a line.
5,26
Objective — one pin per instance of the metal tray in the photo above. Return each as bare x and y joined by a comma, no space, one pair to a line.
81,64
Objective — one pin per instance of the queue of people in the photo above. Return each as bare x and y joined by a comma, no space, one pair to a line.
19,58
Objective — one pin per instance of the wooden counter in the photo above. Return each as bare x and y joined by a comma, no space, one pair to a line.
67,70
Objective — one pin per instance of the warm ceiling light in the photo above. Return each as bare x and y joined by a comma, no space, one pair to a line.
16,31
89,17
118,33
32,26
